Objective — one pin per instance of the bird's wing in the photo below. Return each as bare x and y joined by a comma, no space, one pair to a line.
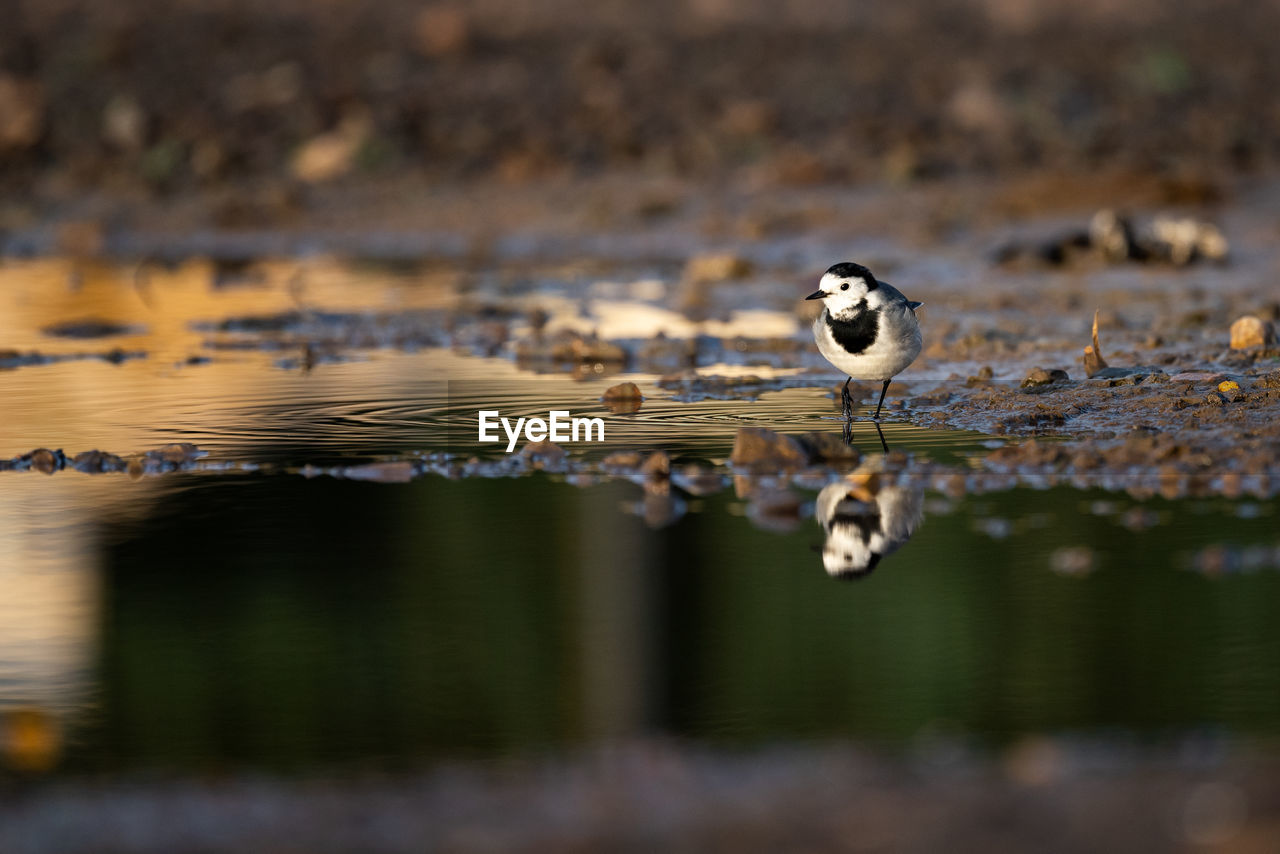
894,295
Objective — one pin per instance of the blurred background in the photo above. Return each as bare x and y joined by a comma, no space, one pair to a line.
149,99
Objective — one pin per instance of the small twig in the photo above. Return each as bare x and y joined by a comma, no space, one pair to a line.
1093,361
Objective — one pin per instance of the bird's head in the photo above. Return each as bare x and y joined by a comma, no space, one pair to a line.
848,561
847,288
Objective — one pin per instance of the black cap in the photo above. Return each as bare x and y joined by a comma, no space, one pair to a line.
849,270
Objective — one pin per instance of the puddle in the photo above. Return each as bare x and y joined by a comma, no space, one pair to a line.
342,574
209,620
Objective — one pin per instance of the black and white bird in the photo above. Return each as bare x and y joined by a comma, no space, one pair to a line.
867,328
865,523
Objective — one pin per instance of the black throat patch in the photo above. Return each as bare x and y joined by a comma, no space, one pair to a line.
868,524
858,334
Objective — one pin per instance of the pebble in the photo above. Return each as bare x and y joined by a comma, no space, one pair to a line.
46,461
1040,377
623,391
1249,332
623,398
97,462
762,450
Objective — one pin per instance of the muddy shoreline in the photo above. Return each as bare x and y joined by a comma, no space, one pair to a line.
678,798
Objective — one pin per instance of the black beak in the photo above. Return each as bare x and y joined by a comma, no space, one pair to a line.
816,295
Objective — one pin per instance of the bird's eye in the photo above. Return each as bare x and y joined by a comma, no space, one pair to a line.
845,286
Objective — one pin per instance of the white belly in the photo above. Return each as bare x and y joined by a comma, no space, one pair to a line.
893,350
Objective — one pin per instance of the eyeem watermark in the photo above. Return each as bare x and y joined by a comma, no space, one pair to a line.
559,426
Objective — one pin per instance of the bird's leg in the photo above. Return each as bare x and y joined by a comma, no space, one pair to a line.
883,443
846,431
846,401
883,392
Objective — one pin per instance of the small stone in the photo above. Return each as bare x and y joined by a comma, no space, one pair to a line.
46,461
1249,332
1041,377
623,391
762,450
97,462
1228,385
623,399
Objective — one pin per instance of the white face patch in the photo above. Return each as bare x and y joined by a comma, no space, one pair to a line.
846,551
841,300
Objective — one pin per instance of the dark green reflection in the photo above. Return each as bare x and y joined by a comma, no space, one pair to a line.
978,634
286,623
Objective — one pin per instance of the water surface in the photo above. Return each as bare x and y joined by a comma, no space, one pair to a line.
252,614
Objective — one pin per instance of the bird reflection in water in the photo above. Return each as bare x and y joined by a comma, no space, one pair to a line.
865,520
